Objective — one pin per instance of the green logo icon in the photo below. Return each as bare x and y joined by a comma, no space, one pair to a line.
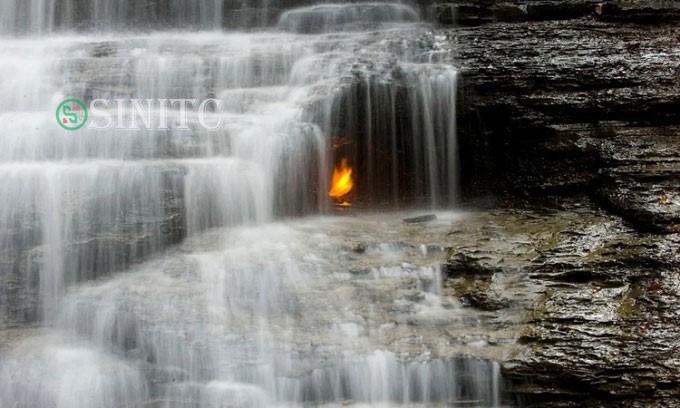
72,114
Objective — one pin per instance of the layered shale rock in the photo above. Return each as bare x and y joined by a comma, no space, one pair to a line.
594,303
576,105
586,110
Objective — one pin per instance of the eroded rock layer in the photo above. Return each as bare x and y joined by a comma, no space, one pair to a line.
582,108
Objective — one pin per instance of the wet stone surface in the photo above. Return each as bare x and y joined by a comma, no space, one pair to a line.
586,109
595,302
573,106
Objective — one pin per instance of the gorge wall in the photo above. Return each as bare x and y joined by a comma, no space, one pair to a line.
575,106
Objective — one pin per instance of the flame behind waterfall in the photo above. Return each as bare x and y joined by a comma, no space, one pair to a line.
341,183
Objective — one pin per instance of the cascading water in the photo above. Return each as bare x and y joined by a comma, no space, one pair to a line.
101,308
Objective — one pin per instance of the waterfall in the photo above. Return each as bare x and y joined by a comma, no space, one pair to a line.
338,17
154,259
45,16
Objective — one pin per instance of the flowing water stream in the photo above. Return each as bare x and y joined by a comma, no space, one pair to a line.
182,266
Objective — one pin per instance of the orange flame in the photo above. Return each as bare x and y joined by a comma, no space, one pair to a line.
341,183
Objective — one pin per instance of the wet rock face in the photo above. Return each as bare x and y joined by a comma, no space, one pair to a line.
478,12
572,106
483,12
585,109
595,303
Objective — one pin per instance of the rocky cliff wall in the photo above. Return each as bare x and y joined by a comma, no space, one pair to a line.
571,117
